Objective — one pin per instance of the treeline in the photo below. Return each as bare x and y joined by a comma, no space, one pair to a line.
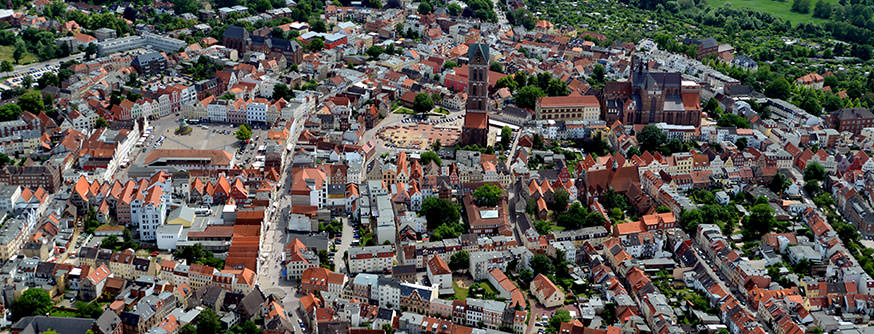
849,21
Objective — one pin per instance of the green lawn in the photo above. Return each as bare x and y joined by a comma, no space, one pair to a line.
403,110
6,54
62,313
460,293
776,8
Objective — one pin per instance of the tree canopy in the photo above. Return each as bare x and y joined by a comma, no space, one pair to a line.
651,137
31,302
487,195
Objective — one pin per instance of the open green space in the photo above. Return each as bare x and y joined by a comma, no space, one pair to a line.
403,110
776,8
460,293
6,54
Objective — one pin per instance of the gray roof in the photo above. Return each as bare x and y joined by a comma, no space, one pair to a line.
235,32
39,324
148,57
108,322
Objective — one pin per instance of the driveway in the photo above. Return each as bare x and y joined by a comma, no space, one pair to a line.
345,243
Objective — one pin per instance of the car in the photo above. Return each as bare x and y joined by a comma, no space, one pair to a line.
155,253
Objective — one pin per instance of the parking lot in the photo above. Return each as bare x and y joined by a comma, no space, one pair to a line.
203,136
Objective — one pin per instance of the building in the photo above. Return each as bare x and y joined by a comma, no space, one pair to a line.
652,97
321,279
371,259
92,285
488,220
546,292
144,40
852,120
150,64
439,274
584,108
191,159
476,119
33,177
299,258
235,37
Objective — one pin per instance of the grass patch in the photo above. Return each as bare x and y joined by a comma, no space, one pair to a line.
6,54
62,313
403,110
557,228
776,8
460,293
441,110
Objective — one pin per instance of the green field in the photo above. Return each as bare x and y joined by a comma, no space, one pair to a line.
6,54
776,8
460,293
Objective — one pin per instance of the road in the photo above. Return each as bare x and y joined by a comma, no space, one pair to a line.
345,243
273,237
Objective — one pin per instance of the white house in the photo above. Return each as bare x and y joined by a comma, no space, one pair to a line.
439,273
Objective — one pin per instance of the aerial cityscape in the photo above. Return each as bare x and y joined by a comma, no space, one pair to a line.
437,167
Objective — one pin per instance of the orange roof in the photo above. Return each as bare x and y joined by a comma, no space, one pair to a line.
544,285
438,266
569,101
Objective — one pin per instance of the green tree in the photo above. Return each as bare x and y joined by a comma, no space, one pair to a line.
9,112
526,97
507,82
779,183
424,8
459,260
542,227
429,156
281,91
375,51
109,242
814,171
18,52
439,211
801,6
506,136
454,9
31,302
778,88
598,73
541,264
496,67
31,101
316,45
760,221
101,123
188,329
248,327
6,66
47,79
208,322
487,195
651,137
423,103
243,133
741,143
560,200
88,310
559,317
90,50
811,105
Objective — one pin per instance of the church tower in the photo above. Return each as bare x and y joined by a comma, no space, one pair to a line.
476,118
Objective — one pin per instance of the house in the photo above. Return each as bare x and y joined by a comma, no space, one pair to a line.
439,273
546,292
92,285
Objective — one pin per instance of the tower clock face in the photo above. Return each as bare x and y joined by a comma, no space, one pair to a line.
478,59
